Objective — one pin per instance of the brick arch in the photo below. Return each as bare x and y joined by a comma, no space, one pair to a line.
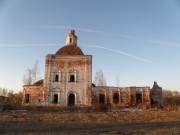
71,98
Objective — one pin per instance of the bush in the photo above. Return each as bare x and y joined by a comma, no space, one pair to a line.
171,101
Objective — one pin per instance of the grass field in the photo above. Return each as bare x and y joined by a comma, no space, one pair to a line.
40,122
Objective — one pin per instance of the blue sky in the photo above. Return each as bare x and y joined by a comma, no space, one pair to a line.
137,41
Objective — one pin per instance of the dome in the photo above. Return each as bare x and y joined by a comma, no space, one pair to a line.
69,50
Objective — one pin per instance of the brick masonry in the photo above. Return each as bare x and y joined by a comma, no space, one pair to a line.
68,81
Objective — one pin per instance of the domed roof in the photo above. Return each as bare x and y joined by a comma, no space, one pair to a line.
69,50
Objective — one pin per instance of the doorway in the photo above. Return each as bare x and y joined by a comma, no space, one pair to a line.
27,98
71,100
102,99
115,98
138,98
55,98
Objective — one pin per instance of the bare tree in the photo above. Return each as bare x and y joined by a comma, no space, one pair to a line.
167,93
15,99
12,99
32,74
117,81
175,93
3,92
99,79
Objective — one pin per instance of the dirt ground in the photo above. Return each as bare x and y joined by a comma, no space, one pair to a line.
39,122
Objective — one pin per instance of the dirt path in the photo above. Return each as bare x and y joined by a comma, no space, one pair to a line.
90,128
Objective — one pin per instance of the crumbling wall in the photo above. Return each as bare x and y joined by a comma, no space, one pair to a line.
140,95
125,96
35,95
128,96
156,95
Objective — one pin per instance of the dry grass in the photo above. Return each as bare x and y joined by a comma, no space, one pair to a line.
147,122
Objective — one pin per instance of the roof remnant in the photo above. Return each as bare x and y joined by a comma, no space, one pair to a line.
39,83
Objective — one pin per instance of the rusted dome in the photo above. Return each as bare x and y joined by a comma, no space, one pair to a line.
69,50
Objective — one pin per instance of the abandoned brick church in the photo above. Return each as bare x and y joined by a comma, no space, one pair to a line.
68,82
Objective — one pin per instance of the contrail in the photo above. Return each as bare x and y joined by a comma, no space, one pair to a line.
28,45
88,30
164,43
86,45
126,54
158,42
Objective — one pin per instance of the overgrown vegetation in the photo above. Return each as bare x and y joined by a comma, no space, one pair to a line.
13,99
171,99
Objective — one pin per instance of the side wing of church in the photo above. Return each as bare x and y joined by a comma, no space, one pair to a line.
68,82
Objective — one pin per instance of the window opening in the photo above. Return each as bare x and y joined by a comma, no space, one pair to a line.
72,79
56,78
138,98
115,98
101,99
27,98
70,40
55,98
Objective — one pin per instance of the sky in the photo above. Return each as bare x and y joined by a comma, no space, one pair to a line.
134,42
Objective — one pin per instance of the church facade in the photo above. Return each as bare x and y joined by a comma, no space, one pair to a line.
68,82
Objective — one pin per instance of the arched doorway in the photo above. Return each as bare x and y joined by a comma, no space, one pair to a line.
71,100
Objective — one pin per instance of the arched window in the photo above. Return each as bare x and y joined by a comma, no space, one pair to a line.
70,40
72,76
56,79
56,76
